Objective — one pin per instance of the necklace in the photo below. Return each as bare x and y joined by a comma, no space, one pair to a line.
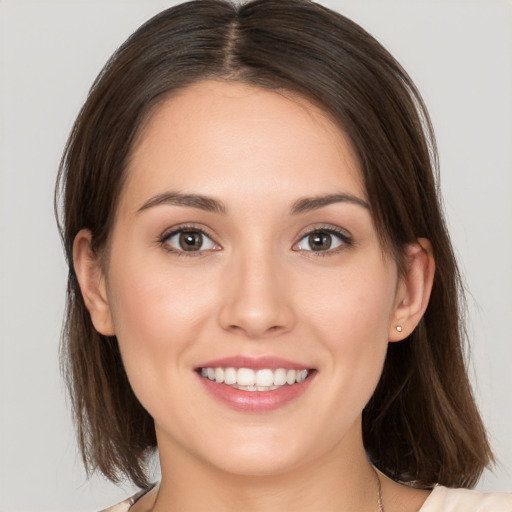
379,491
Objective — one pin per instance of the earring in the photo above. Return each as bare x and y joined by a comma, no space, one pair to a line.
398,328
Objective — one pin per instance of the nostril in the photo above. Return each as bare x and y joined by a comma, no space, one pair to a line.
256,331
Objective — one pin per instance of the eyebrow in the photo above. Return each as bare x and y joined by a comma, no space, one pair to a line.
308,204
303,205
191,200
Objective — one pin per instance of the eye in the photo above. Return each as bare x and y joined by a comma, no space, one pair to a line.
322,240
189,240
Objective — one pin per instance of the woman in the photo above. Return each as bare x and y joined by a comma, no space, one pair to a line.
261,283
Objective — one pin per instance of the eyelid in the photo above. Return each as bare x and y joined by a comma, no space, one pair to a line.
174,230
346,239
343,234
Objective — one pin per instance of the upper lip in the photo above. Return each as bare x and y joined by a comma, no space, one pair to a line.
255,363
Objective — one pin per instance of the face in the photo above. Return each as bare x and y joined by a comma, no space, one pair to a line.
246,284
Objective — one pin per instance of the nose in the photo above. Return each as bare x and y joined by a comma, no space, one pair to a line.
256,300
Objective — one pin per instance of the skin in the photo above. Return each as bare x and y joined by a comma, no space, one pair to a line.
256,289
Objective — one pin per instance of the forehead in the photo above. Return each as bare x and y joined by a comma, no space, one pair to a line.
212,133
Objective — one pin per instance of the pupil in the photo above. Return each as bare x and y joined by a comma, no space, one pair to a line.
191,241
320,241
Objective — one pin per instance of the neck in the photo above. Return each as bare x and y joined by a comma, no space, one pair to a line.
342,479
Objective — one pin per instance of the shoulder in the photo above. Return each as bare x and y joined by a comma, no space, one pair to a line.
125,505
443,499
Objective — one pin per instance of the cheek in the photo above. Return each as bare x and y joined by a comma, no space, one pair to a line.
355,304
352,315
157,314
154,299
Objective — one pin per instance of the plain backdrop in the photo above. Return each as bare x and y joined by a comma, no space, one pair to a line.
460,54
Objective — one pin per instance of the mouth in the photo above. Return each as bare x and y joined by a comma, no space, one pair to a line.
260,384
248,379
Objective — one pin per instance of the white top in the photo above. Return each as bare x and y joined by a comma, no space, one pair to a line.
441,499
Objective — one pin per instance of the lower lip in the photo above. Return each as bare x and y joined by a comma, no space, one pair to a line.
256,401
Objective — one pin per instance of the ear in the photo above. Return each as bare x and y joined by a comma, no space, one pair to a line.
92,283
414,289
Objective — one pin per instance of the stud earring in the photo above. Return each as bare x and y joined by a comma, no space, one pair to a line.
398,328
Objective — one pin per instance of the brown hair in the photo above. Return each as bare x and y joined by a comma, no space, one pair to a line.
421,425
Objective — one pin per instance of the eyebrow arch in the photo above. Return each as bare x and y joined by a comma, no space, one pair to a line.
191,200
308,204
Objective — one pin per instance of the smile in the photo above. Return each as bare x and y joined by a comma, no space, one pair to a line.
247,379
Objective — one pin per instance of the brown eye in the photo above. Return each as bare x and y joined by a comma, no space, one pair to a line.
322,240
189,240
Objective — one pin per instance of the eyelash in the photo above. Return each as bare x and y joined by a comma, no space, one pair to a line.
167,235
346,241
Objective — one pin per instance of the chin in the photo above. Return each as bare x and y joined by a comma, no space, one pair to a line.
258,464
262,456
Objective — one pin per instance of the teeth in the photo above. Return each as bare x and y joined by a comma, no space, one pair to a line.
254,380
229,376
280,377
264,378
219,375
245,377
301,375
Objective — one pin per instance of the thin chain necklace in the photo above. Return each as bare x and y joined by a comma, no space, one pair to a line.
379,491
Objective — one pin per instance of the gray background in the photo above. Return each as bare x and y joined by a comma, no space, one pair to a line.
460,55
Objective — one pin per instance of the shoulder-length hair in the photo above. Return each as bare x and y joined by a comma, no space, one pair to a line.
421,426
